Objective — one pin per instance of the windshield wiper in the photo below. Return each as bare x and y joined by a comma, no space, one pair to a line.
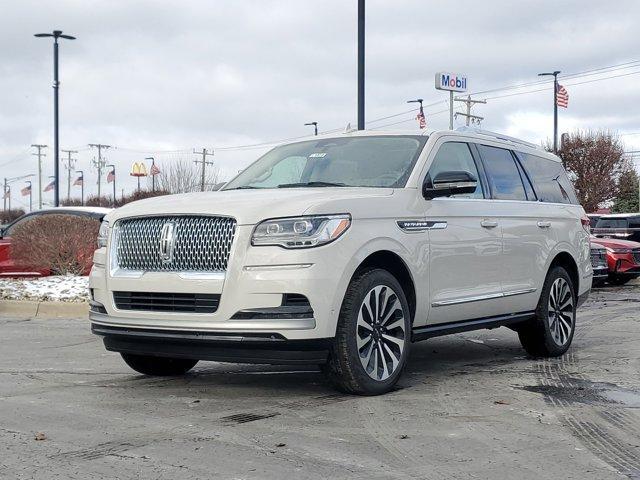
242,187
312,184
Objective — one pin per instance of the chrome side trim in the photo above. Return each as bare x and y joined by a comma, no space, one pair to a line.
286,266
123,273
479,298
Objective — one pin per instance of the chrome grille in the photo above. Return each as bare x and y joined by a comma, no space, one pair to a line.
201,244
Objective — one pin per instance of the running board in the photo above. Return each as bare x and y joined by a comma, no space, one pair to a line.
429,331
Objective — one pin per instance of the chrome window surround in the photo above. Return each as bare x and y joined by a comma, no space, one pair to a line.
201,249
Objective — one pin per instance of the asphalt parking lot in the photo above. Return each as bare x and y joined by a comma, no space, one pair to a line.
469,406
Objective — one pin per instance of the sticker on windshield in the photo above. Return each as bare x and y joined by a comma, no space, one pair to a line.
317,155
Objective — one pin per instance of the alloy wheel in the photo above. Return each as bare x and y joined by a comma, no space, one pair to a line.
380,332
561,313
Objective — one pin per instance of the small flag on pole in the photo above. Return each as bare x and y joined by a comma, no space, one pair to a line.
111,176
422,121
26,190
50,187
154,170
78,181
562,97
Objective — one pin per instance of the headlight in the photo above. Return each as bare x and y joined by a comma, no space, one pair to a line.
301,232
103,234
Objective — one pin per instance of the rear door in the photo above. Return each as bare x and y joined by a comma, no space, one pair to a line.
525,223
465,243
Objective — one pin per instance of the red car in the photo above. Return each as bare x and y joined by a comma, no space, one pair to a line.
9,267
623,259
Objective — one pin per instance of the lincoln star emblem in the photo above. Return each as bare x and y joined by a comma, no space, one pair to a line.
167,241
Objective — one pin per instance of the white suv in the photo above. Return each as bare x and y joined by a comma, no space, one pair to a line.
341,251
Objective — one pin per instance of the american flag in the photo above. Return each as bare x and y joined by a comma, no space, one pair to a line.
154,170
78,181
422,121
562,97
50,187
26,190
111,176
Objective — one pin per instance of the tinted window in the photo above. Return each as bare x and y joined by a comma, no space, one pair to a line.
503,173
612,223
549,179
634,222
455,157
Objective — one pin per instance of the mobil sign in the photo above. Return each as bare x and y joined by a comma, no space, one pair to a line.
453,82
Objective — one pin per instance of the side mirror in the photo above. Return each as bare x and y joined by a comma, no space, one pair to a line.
449,183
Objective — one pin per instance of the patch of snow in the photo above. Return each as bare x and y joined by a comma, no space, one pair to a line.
62,288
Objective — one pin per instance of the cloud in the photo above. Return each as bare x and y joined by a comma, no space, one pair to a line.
163,75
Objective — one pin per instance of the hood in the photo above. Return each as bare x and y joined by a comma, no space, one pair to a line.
249,207
615,243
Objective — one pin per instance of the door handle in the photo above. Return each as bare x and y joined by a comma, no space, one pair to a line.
542,224
489,223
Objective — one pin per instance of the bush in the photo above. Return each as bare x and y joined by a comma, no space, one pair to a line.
8,216
64,244
107,201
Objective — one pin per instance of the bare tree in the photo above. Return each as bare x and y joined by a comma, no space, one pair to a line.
595,163
183,177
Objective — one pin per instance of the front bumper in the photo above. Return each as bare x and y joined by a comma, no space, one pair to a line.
237,347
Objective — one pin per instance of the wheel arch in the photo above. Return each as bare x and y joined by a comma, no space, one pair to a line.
565,259
396,266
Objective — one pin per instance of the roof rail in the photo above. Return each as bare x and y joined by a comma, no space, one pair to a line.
499,136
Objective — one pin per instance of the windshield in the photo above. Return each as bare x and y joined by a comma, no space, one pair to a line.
381,161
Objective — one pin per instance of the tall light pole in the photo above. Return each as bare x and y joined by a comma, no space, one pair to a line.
151,171
554,74
360,64
315,127
56,84
7,182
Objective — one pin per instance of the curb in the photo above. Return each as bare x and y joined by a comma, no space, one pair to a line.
36,309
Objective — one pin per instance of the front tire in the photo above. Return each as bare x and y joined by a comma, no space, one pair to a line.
158,366
373,335
550,333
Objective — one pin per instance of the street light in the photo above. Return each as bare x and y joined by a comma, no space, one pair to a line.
554,74
56,84
315,126
30,195
153,177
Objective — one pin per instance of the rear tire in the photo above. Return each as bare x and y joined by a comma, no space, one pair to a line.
550,333
158,366
371,346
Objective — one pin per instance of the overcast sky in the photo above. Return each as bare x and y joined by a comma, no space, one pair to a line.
149,76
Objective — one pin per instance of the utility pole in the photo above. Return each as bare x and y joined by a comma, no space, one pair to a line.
204,162
554,74
361,26
69,167
99,163
39,155
470,103
4,195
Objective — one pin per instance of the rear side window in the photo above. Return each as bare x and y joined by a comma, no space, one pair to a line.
503,173
634,222
549,179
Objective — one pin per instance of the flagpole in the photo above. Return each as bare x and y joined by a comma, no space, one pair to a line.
30,195
555,106
81,186
113,172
